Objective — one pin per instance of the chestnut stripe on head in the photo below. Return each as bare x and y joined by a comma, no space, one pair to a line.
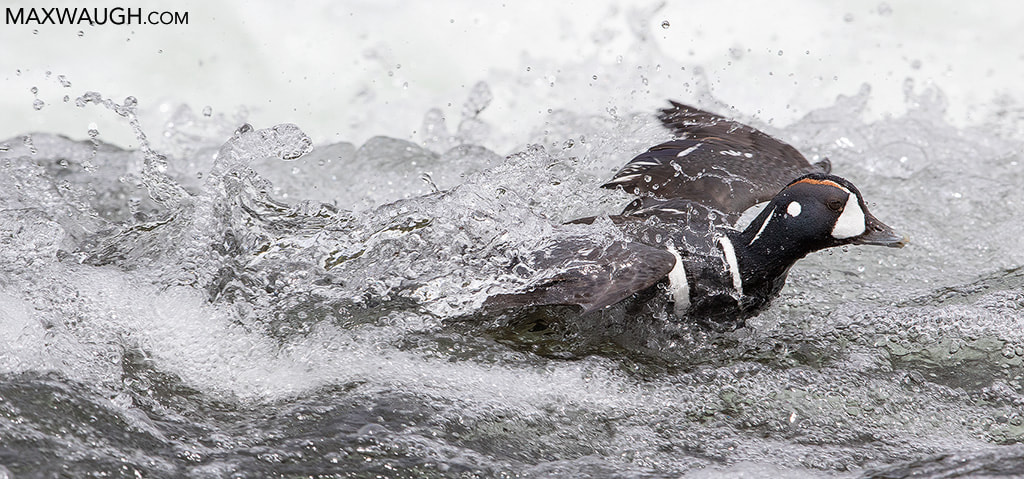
814,181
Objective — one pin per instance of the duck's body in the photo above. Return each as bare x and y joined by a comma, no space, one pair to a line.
681,229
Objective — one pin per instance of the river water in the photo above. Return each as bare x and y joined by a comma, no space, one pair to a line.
225,299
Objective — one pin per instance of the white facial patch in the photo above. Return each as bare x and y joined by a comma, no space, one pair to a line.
852,221
678,284
794,209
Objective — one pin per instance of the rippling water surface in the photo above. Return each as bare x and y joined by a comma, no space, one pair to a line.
228,300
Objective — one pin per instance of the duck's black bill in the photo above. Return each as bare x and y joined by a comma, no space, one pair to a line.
880,234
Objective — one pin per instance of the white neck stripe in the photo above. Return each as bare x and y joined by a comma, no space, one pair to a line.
763,226
731,263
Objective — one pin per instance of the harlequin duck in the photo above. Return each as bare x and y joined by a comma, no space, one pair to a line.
682,234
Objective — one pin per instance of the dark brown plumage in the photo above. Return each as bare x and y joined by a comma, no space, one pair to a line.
719,162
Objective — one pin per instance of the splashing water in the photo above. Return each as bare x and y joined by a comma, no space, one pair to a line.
242,302
230,323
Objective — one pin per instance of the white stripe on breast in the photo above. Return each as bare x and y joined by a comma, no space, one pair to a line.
679,286
732,264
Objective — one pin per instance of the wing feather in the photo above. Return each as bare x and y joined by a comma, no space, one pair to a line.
591,278
718,162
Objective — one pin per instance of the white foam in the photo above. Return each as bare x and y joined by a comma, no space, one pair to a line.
23,342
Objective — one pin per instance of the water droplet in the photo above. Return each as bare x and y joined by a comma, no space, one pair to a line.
130,102
425,177
916,64
207,110
34,90
647,178
665,24
595,77
780,53
451,20
27,141
63,80
38,104
67,98
81,33
93,133
479,98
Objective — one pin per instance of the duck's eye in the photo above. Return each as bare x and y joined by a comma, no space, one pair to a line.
835,204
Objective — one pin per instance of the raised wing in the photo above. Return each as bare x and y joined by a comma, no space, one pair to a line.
718,162
588,276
